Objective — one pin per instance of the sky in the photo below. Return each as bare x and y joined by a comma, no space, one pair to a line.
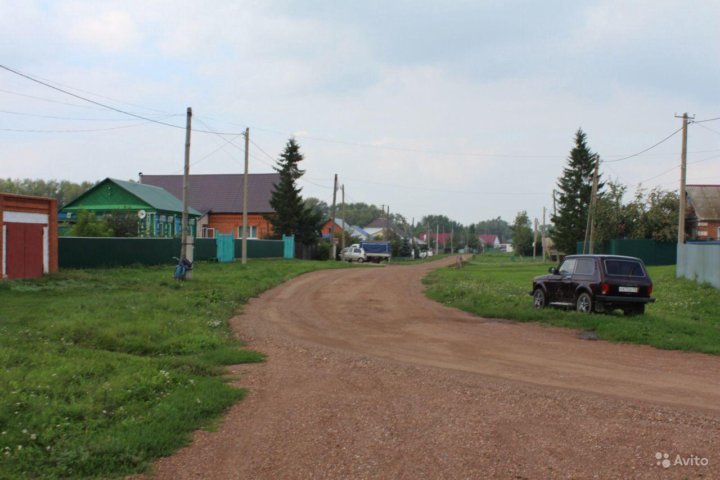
461,108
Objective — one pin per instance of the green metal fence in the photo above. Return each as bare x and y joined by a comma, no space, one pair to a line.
650,251
90,252
261,248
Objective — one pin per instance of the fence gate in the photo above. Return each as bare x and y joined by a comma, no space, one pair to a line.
225,247
288,246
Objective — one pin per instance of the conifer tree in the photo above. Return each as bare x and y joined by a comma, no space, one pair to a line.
573,196
292,216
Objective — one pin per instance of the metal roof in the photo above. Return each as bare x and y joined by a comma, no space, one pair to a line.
158,198
705,200
221,193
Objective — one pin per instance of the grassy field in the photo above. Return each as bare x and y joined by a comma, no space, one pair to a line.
104,370
684,317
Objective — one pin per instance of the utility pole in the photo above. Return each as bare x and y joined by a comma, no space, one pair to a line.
342,234
593,201
412,238
452,233
245,197
186,238
428,237
437,238
387,225
332,221
542,231
683,172
535,238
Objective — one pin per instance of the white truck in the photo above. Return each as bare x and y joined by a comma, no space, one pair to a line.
367,252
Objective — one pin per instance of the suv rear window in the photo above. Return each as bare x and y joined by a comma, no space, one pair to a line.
624,268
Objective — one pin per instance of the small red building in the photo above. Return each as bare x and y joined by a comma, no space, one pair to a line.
28,236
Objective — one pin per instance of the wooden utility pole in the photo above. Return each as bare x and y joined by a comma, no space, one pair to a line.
683,172
387,225
452,233
542,232
333,248
437,238
186,238
535,230
342,234
593,201
245,197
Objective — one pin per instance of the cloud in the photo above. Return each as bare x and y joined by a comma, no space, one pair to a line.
111,31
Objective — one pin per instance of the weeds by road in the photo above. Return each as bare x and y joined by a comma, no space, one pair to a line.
104,370
685,316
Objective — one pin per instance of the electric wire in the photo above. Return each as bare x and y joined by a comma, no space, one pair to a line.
109,107
645,150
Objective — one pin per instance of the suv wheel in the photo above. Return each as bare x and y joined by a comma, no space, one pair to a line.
539,298
584,303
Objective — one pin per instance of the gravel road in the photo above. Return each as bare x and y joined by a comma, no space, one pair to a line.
368,379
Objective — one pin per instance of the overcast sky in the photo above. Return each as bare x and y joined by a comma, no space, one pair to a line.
462,108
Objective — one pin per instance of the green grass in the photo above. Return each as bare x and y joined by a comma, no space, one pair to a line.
684,317
102,371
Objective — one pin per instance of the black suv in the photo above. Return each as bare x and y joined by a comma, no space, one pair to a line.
599,283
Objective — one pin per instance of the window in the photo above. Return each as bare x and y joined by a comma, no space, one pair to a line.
567,267
624,268
585,266
252,231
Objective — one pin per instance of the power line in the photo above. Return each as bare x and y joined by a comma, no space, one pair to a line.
709,129
706,120
109,107
55,117
645,150
84,130
49,100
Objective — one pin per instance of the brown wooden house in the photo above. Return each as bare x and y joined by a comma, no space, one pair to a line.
219,197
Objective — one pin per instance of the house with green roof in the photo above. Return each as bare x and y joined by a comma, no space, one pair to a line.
158,212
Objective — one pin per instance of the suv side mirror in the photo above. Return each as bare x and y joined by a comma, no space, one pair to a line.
554,270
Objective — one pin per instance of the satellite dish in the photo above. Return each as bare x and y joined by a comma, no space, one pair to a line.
142,214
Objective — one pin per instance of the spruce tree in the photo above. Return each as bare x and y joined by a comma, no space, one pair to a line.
292,216
573,196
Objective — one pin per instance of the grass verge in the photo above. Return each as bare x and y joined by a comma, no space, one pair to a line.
684,317
102,371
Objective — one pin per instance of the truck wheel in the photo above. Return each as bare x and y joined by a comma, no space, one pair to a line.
584,303
359,260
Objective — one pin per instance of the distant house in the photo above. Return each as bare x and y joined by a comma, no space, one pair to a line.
341,225
442,239
703,212
489,240
219,198
377,227
158,212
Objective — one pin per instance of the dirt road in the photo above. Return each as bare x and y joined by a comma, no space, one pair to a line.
366,378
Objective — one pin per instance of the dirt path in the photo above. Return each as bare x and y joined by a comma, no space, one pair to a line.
366,378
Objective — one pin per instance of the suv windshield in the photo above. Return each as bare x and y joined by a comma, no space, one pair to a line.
624,268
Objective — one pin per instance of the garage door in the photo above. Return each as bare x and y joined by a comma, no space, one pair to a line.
24,250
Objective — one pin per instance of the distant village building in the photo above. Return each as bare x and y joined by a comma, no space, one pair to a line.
340,225
703,212
489,240
158,212
219,199
378,227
